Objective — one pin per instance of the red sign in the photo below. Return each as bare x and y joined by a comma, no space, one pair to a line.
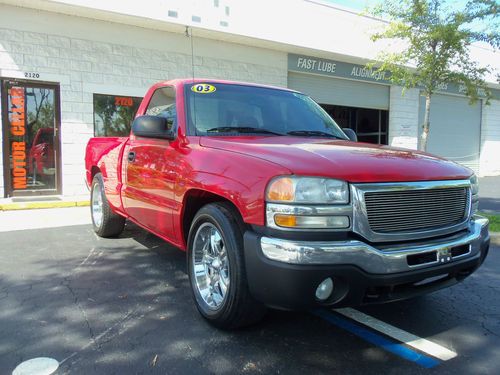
124,101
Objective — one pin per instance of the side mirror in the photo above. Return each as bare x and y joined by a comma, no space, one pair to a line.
351,134
153,127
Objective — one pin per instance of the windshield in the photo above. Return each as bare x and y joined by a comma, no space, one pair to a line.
226,109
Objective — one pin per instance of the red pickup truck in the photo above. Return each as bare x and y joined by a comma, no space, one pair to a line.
276,206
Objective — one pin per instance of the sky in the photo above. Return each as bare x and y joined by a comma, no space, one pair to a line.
354,4
362,4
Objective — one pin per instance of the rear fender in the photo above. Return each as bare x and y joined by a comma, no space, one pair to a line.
106,155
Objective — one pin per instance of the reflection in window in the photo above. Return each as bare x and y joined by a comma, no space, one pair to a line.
162,104
113,115
369,124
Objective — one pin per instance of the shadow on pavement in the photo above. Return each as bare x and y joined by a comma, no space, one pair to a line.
123,306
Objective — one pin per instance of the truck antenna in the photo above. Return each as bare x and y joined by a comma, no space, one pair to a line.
189,34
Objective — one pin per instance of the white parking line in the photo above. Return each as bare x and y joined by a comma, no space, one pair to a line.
407,338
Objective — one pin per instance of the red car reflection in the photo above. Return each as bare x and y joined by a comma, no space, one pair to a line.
41,154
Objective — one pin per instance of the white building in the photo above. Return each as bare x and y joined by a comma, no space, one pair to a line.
74,68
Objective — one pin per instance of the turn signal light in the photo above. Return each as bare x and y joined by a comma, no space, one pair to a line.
289,221
311,222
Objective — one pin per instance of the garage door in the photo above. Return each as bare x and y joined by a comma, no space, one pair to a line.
455,129
342,92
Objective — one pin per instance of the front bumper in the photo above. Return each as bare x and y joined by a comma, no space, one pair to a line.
285,274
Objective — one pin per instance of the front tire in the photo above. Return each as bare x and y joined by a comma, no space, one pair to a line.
216,268
106,223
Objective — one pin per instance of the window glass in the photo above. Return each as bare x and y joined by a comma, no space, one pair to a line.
113,115
369,124
163,104
223,108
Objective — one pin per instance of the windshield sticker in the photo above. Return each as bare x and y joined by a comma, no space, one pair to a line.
203,88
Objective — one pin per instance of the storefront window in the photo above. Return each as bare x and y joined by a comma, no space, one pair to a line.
113,115
31,139
369,124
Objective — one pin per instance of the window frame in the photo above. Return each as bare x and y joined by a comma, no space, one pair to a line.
175,125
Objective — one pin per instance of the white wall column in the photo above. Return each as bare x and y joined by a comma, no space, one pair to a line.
490,139
403,118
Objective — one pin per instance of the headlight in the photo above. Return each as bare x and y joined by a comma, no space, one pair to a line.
307,190
474,190
474,185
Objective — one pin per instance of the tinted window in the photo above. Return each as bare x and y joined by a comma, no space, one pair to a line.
266,109
163,104
113,115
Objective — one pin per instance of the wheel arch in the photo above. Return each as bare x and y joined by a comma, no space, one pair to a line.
93,171
194,200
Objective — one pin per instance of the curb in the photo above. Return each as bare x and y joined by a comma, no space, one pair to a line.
37,205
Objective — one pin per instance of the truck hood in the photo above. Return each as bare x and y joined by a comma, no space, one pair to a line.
349,161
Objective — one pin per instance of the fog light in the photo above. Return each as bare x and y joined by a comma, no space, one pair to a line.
324,289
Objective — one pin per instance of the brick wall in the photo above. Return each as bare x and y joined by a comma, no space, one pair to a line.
403,118
87,56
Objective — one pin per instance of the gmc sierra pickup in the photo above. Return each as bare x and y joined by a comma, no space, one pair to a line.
276,206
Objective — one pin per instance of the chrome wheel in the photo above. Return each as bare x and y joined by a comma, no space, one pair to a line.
97,204
210,265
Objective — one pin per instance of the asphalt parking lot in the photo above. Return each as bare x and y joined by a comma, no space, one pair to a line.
123,306
489,192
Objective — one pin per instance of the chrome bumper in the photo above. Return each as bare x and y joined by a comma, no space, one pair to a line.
383,260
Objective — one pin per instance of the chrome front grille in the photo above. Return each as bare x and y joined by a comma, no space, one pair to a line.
405,211
416,210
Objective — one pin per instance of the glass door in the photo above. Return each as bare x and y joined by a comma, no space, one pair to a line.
31,138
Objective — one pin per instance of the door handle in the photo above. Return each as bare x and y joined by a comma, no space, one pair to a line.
131,156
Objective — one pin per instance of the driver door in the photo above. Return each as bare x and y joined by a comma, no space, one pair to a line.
149,171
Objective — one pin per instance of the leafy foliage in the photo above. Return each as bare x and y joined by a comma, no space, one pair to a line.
438,41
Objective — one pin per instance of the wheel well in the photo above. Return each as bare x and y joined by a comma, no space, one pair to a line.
196,199
93,171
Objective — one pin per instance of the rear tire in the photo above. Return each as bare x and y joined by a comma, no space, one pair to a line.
219,285
106,223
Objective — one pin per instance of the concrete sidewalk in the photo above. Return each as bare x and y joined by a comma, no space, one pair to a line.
46,218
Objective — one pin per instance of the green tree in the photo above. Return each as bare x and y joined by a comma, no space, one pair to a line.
437,46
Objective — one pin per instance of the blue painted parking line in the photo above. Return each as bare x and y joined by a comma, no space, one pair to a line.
376,339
